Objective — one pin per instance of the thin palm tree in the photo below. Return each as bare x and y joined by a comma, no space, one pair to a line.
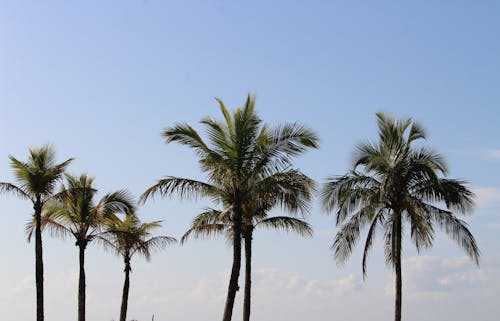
394,183
36,181
128,237
290,189
77,214
241,153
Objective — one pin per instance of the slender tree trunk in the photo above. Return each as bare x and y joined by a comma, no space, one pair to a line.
248,276
397,263
39,261
126,286
81,283
235,271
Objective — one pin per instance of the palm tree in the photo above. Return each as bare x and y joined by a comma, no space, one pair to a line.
290,189
36,182
242,153
399,184
78,215
127,237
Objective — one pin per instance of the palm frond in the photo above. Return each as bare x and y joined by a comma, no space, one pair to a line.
287,224
183,187
11,188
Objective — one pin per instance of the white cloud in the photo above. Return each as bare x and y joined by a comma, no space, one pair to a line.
487,196
434,288
429,275
493,154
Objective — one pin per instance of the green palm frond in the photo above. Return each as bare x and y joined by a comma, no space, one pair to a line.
13,189
287,224
185,188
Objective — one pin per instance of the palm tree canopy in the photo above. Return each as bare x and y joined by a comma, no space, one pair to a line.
76,212
394,177
129,236
240,156
36,178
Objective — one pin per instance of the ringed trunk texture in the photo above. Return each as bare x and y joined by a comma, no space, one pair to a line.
126,286
397,259
38,261
248,277
235,271
81,284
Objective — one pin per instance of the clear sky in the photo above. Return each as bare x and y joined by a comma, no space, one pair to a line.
101,79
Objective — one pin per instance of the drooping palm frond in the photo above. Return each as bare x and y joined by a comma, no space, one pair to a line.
287,224
209,223
13,189
185,188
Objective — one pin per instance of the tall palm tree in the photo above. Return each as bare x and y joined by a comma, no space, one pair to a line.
241,154
77,214
399,184
127,237
291,189
36,181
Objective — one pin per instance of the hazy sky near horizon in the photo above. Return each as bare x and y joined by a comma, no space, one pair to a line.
100,79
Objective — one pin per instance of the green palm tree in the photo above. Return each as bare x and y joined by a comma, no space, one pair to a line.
128,237
241,154
77,214
399,184
290,189
36,181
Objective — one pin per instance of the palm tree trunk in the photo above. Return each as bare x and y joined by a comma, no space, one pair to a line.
397,263
81,284
38,261
235,271
126,286
248,276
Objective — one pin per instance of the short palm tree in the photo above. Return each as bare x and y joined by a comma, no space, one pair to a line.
77,214
128,237
36,181
241,154
290,189
399,184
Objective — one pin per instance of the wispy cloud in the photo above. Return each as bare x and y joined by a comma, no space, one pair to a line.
492,154
487,196
434,276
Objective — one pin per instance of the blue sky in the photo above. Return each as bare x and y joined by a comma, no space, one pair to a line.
101,79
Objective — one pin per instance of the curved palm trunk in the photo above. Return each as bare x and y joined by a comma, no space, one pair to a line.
397,266
81,284
235,271
126,286
248,276
38,261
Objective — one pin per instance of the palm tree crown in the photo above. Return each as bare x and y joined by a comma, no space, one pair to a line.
130,236
76,213
37,178
394,183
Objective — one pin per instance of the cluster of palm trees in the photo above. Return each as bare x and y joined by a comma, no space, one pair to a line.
73,212
249,171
